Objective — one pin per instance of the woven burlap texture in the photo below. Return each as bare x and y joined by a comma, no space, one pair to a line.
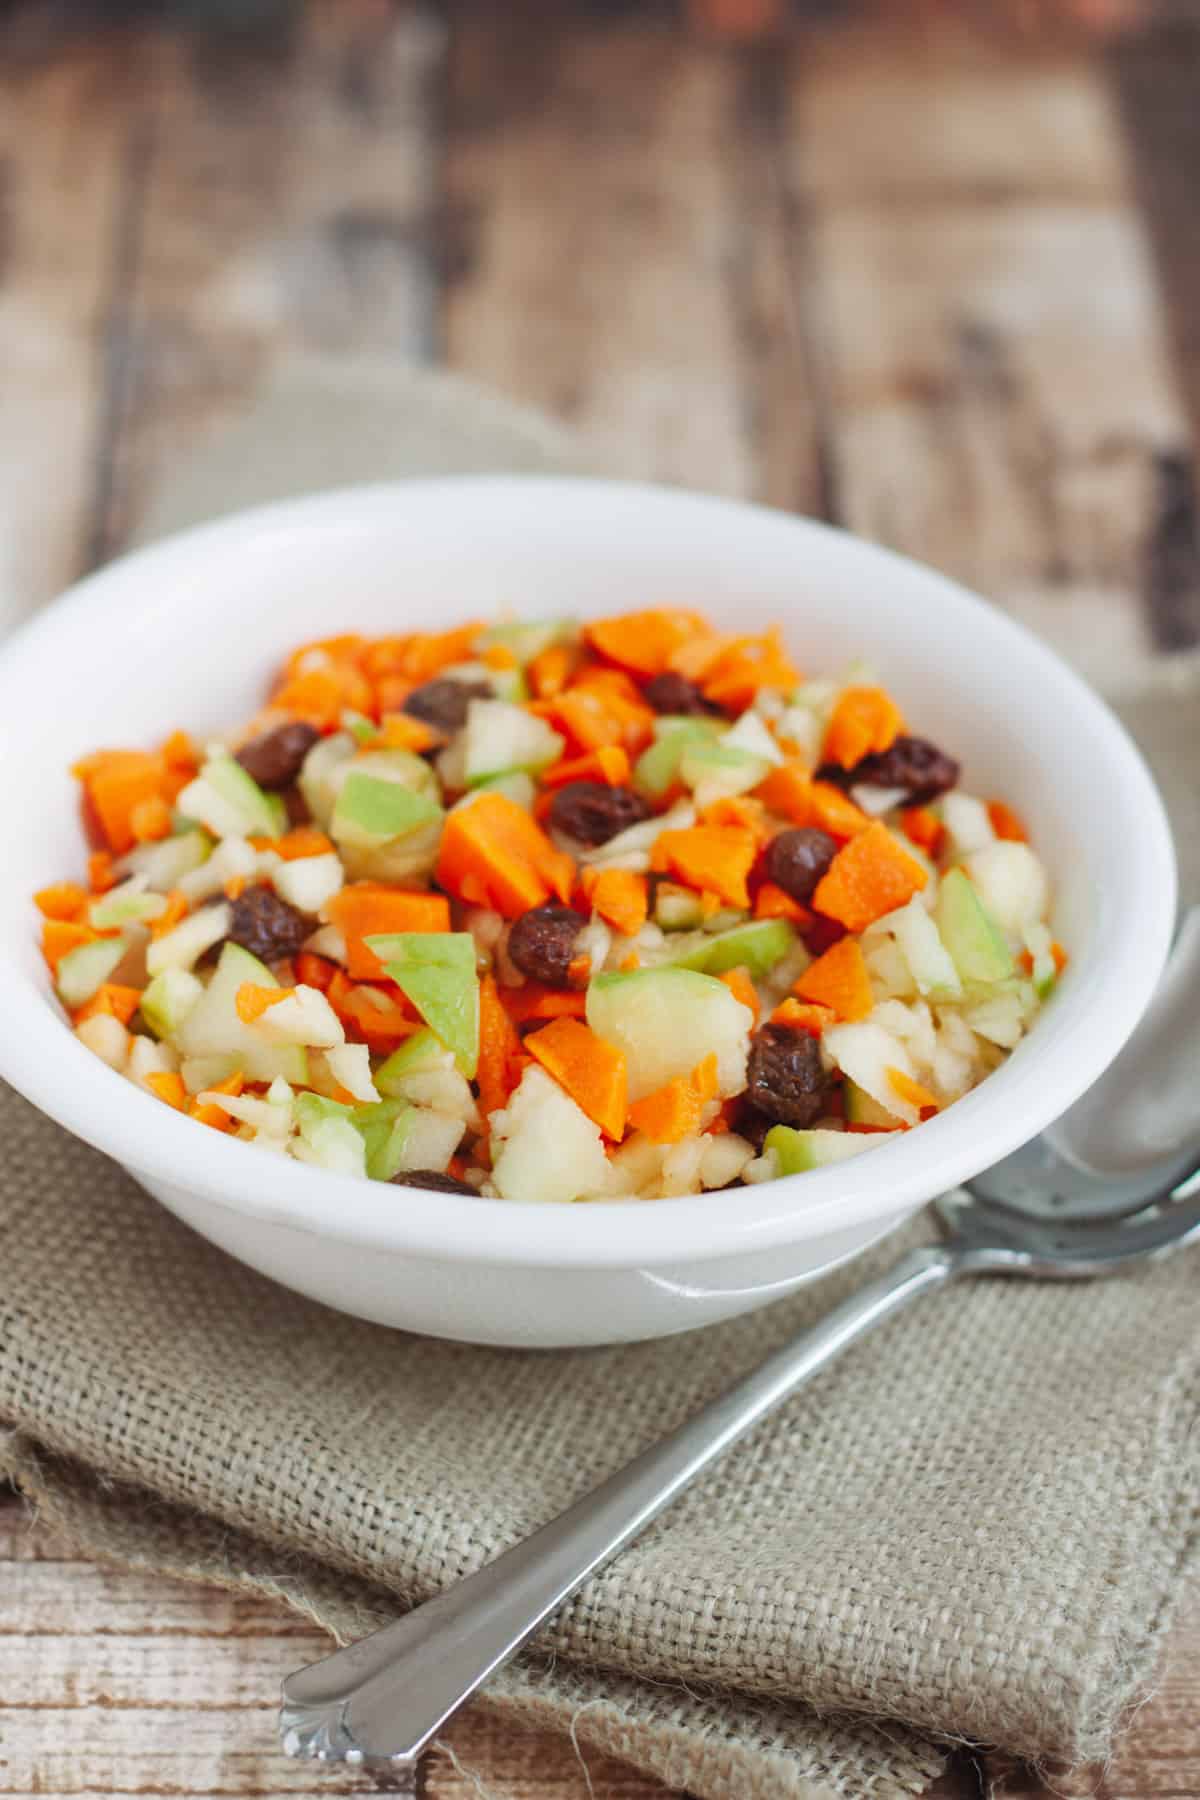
972,1527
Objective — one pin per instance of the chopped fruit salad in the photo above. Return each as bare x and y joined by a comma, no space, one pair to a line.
552,911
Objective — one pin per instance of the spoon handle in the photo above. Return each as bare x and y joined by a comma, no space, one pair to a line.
1143,1108
388,1695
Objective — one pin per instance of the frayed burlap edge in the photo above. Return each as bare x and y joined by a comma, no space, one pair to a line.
716,1745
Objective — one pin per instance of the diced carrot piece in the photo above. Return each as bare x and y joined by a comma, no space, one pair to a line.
295,845
399,731
869,876
676,1110
426,654
643,641
59,936
835,812
314,971
700,654
924,829
391,691
549,671
366,909
175,910
739,809
500,1056
321,695
150,820
168,1085
804,1015
100,872
533,1001
629,963
1059,955
179,752
742,988
618,895
591,1071
64,900
787,790
865,719
839,980
377,1014
235,887
252,1001
210,1113
349,647
1006,823
608,765
116,781
593,716
493,854
772,903
713,858
111,998
912,1091
498,656
748,664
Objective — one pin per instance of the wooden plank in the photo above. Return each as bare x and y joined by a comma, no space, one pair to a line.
614,191
288,205
1001,400
1156,76
67,179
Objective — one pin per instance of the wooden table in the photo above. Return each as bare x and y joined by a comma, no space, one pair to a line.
929,270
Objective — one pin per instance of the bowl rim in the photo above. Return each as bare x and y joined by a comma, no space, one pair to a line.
1078,1037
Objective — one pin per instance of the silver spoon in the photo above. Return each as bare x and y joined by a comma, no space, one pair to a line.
1077,1203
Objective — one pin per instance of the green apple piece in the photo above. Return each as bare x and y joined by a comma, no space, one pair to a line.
229,802
83,970
518,787
969,932
666,1020
865,1052
304,1017
527,638
334,1145
544,1147
361,729
796,1152
318,779
201,1072
308,882
657,768
862,1110
933,968
717,771
127,904
503,739
436,969
968,826
756,946
751,734
212,1027
417,1055
184,945
1011,883
371,811
1039,944
165,863
168,1000
677,908
420,1138
374,1125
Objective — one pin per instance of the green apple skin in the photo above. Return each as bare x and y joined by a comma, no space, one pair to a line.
437,971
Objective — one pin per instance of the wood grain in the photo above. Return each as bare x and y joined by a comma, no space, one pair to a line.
625,251
1001,401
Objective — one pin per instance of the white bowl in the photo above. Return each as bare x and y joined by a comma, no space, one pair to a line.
188,632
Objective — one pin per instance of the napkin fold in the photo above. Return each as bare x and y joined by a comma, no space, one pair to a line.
972,1527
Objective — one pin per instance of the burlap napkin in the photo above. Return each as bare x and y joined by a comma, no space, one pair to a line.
972,1527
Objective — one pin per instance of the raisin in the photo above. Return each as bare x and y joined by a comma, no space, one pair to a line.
433,1178
786,1080
591,813
796,860
443,703
275,760
267,926
296,807
671,693
912,763
542,942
